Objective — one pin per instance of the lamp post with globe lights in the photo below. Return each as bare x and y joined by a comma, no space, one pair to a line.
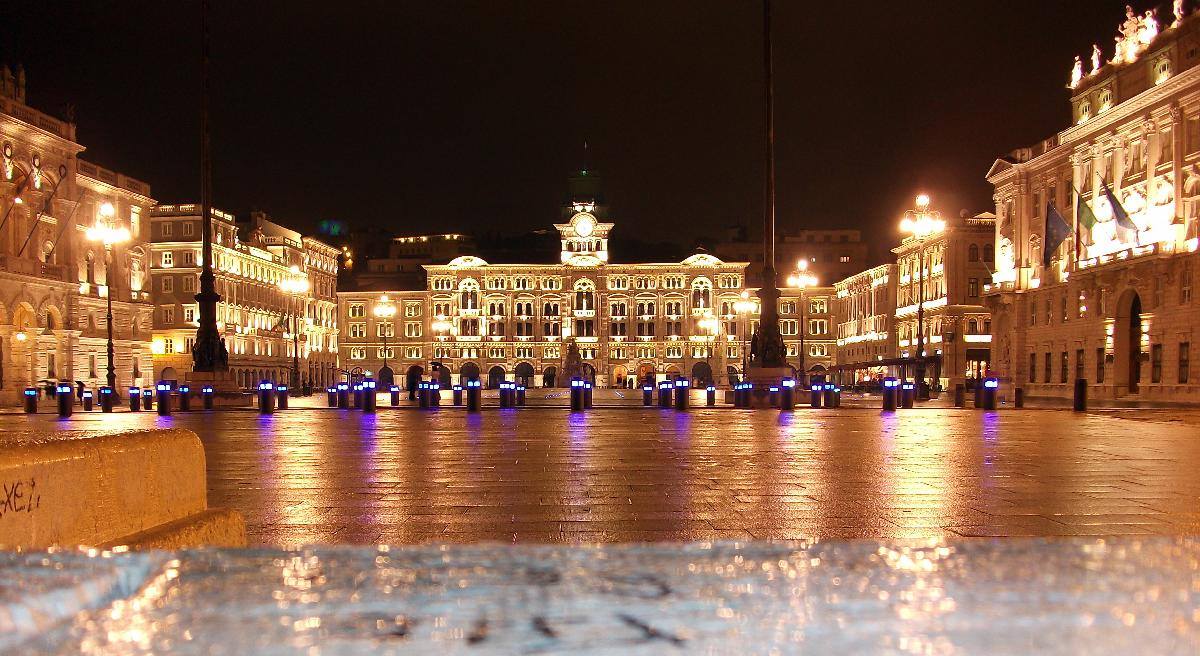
744,307
295,286
104,232
922,223
802,280
384,310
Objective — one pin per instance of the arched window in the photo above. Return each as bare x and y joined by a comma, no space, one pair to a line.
701,293
989,253
972,327
973,253
468,297
585,295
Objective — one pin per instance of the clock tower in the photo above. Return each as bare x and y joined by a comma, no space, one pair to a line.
584,237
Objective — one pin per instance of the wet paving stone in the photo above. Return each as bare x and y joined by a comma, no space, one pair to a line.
633,474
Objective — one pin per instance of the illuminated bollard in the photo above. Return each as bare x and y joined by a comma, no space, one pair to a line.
31,399
891,387
503,395
106,399
827,400
164,398
343,396
64,398
739,391
135,399
206,397
990,386
587,394
837,397
370,397
435,395
664,394
647,395
422,394
394,390
266,404
773,396
1080,401
456,395
331,396
576,395
474,396
521,395
908,391
1019,396
358,396
148,399
281,397
814,396
87,400
787,394
185,398
681,394
710,396
960,395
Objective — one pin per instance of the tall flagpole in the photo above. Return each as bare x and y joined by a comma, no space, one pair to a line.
768,351
208,353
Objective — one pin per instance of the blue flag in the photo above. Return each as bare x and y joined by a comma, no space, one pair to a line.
1057,231
1126,230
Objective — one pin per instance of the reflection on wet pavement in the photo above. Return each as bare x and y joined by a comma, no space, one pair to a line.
634,474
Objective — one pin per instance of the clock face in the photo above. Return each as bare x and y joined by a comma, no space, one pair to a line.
584,226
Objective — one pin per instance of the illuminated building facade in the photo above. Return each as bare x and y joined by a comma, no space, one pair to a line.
836,253
278,308
866,334
629,322
54,280
404,265
1115,305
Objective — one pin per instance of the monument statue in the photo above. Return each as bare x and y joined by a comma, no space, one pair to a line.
1076,72
573,366
1095,59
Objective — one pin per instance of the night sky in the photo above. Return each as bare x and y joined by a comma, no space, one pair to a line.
470,115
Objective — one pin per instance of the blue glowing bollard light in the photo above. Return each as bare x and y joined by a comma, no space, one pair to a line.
265,402
576,394
63,396
474,396
87,400
681,394
281,397
369,395
394,398
106,399
435,395
891,387
206,393
787,394
457,394
31,399
343,395
647,395
331,396
164,397
135,399
990,387
185,398
710,396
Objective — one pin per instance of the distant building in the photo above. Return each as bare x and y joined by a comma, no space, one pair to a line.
1113,304
55,279
866,331
837,254
278,292
403,267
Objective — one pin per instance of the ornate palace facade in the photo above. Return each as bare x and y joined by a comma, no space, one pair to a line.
629,322
55,279
278,308
1112,303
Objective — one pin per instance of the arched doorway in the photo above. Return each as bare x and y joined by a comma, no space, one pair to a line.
1127,342
702,375
645,373
549,374
495,377
816,373
444,376
469,371
169,374
412,377
734,377
619,375
524,374
386,377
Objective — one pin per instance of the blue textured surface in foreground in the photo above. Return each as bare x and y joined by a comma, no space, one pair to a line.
1013,596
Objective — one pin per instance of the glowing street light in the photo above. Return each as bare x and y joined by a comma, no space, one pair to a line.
109,236
384,309
922,223
801,279
295,286
744,306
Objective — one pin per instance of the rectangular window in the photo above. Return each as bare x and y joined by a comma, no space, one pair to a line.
412,352
1033,367
358,330
385,329
189,314
168,284
1079,364
168,345
168,259
358,353
189,258
788,327
1100,365
1156,363
412,329
357,310
1063,364
1185,362
1185,286
818,326
1046,371
189,283
166,229
973,287
168,315
188,228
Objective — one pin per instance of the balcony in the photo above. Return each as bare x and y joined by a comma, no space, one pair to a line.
27,267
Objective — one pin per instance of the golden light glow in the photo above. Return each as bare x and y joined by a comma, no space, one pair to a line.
107,210
108,235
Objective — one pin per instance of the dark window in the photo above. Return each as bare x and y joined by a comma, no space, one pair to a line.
973,287
1079,364
989,252
1100,365
1046,371
973,253
1184,361
1033,367
1062,367
1156,363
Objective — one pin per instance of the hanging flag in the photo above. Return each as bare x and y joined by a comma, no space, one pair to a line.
1057,231
1126,230
1085,216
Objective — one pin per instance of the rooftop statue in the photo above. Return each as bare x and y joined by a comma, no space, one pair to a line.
1095,59
1076,72
1177,9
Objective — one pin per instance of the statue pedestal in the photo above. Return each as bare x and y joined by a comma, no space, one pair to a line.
763,379
226,392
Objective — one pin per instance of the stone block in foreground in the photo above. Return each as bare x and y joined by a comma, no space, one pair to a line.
139,488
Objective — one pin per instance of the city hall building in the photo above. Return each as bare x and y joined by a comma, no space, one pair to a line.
73,236
628,322
1109,298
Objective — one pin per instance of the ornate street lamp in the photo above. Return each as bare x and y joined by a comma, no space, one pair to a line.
922,223
109,235
295,286
384,309
802,280
745,307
